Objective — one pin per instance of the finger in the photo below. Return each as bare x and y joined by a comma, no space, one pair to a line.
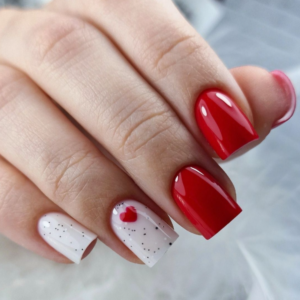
22,207
271,96
40,141
177,61
83,71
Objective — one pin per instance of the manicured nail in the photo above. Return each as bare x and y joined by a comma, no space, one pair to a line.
65,235
142,231
223,124
204,201
289,89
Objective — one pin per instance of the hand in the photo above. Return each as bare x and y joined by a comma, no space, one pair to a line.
103,132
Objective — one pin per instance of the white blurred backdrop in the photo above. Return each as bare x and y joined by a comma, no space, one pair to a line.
256,257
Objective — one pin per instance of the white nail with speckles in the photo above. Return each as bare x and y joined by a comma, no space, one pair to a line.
142,231
65,235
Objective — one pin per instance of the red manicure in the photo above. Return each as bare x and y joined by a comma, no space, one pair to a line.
223,124
203,201
287,85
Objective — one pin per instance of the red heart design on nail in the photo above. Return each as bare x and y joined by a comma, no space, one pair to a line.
129,215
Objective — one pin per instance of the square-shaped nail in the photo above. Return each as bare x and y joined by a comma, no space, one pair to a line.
65,235
142,231
205,203
222,123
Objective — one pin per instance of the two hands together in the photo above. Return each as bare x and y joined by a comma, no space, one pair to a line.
112,114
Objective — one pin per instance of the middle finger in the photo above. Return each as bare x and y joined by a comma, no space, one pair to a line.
84,72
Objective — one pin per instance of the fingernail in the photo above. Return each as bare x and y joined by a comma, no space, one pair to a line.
223,124
289,89
65,235
142,231
204,201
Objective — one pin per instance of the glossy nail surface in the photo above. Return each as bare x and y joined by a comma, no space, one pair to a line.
223,124
65,235
203,201
142,231
289,89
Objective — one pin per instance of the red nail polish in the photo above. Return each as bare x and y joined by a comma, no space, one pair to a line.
223,124
203,201
287,85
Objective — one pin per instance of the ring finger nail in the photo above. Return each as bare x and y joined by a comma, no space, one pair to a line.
142,231
203,201
223,124
65,235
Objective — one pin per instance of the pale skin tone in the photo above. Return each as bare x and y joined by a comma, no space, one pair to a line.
97,105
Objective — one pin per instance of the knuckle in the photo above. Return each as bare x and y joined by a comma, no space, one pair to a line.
7,195
179,49
144,128
68,175
11,84
56,38
15,198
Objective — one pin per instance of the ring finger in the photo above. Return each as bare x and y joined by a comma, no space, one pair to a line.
41,142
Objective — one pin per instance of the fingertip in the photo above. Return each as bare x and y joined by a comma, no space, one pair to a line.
271,97
290,96
89,249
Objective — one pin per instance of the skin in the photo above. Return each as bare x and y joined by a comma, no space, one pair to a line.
97,105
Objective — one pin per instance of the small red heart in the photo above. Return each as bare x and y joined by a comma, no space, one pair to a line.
129,215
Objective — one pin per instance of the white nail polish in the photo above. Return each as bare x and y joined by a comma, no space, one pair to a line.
65,235
142,231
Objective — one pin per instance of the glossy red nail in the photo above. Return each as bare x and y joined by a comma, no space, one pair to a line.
289,89
203,201
223,124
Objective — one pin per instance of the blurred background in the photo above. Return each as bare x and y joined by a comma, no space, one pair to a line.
256,257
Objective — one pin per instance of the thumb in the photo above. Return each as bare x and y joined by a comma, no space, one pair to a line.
271,97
